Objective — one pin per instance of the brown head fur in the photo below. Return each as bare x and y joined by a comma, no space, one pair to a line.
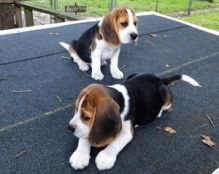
111,25
101,114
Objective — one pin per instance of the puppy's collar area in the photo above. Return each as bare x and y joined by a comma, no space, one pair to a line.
122,89
118,97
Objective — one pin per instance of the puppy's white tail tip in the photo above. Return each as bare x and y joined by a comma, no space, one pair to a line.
216,171
190,80
65,45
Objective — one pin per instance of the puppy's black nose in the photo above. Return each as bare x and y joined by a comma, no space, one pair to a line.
133,36
71,128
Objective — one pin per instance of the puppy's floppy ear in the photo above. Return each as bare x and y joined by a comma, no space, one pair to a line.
108,27
106,125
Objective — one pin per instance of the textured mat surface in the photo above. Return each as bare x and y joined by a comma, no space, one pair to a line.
33,124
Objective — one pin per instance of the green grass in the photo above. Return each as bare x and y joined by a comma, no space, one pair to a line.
167,6
100,7
208,20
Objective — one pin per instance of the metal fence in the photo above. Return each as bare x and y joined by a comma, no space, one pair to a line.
186,6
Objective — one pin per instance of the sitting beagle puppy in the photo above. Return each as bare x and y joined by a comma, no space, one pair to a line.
107,115
103,41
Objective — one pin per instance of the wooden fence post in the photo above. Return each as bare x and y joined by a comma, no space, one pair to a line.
18,16
28,17
6,16
58,19
54,5
113,4
190,7
156,8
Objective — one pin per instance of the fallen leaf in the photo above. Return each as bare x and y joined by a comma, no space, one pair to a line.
20,91
56,34
23,152
153,35
158,127
210,121
60,100
169,130
207,140
2,78
123,67
65,57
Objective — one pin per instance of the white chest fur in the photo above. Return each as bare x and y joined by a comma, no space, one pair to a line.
106,51
102,52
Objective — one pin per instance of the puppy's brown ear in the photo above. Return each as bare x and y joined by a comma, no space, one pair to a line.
108,28
106,125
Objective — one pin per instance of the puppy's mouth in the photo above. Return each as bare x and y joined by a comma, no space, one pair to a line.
80,135
135,41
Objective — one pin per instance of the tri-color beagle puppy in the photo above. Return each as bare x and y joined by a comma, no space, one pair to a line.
103,41
107,115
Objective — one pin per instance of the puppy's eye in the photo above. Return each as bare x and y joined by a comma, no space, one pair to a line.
124,24
85,117
135,23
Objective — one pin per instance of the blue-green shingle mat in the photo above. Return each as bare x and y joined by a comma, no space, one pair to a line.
34,138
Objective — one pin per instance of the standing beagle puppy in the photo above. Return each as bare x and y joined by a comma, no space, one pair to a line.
103,41
107,115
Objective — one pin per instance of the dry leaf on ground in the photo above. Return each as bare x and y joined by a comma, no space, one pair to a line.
56,34
207,140
158,127
153,35
169,130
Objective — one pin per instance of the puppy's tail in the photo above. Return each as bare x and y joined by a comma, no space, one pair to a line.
182,77
65,45
71,50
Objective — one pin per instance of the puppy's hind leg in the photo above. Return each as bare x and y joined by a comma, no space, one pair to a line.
83,66
165,108
167,98
160,113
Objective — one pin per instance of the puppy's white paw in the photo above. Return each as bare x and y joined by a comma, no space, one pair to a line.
83,66
97,75
105,161
159,115
79,160
170,109
117,74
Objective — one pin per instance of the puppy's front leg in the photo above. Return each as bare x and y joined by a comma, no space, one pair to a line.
80,158
114,69
95,65
107,157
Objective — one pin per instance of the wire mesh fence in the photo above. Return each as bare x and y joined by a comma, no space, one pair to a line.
101,7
